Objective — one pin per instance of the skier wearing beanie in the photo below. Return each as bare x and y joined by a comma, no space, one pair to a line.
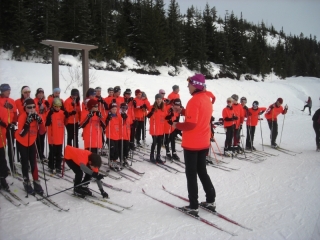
42,110
130,112
172,111
72,106
252,121
55,127
238,111
29,124
25,93
196,143
271,115
124,134
55,94
11,111
156,115
113,122
229,123
139,114
93,125
3,162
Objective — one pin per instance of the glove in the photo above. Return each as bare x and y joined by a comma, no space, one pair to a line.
167,101
100,99
98,114
30,119
235,117
124,116
47,104
90,114
40,103
260,113
11,125
144,106
97,176
109,116
134,103
170,122
74,112
104,194
130,99
114,100
8,105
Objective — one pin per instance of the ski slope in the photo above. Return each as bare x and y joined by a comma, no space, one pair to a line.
278,198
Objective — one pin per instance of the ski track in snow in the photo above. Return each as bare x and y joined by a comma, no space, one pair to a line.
278,198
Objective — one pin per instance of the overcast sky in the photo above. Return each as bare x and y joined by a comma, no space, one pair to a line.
295,16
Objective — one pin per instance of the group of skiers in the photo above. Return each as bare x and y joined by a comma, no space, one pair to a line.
118,121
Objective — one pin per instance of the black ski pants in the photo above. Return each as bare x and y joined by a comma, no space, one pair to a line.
132,133
195,162
55,152
140,131
28,157
113,149
72,134
316,127
170,138
40,145
3,164
78,173
250,135
229,137
307,107
273,126
123,153
156,141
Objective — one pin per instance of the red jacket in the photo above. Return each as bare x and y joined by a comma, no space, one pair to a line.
92,132
69,108
253,116
210,95
273,111
238,111
114,127
4,119
19,105
157,122
12,113
78,156
28,139
228,112
168,129
125,129
139,113
173,96
56,129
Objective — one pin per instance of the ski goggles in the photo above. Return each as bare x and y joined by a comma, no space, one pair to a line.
31,106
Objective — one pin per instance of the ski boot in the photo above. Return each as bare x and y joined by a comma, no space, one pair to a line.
253,148
208,161
168,155
158,159
239,149
152,158
139,144
37,187
175,156
27,187
274,145
114,166
227,153
209,206
85,189
125,163
190,211
4,185
77,191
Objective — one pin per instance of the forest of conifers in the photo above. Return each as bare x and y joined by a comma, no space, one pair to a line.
156,35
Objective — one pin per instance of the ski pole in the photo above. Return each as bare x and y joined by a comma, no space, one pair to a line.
84,183
218,147
121,158
261,134
284,117
215,156
44,173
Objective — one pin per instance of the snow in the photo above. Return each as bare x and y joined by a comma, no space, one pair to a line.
278,198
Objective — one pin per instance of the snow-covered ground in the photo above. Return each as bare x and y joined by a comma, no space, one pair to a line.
278,198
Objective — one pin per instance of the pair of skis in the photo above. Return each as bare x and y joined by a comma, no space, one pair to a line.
198,217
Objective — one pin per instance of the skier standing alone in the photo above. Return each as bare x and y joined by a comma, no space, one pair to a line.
196,143
308,105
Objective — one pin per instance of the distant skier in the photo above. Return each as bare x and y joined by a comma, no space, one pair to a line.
229,123
196,143
238,111
271,115
309,105
316,127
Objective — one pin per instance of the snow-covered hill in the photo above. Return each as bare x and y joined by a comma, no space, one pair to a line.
278,198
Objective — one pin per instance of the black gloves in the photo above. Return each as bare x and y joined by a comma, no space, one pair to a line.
90,114
124,116
109,116
97,176
130,99
47,104
38,118
104,194
134,103
74,112
144,106
167,101
170,122
98,114
8,105
234,117
30,119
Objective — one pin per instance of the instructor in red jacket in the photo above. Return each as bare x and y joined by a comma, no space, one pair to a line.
196,143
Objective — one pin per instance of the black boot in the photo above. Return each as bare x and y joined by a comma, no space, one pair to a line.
152,158
158,159
27,186
175,156
37,187
4,184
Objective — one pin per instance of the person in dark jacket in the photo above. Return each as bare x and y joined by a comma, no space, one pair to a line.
316,127
309,105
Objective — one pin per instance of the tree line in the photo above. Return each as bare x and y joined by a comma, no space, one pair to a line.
156,36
